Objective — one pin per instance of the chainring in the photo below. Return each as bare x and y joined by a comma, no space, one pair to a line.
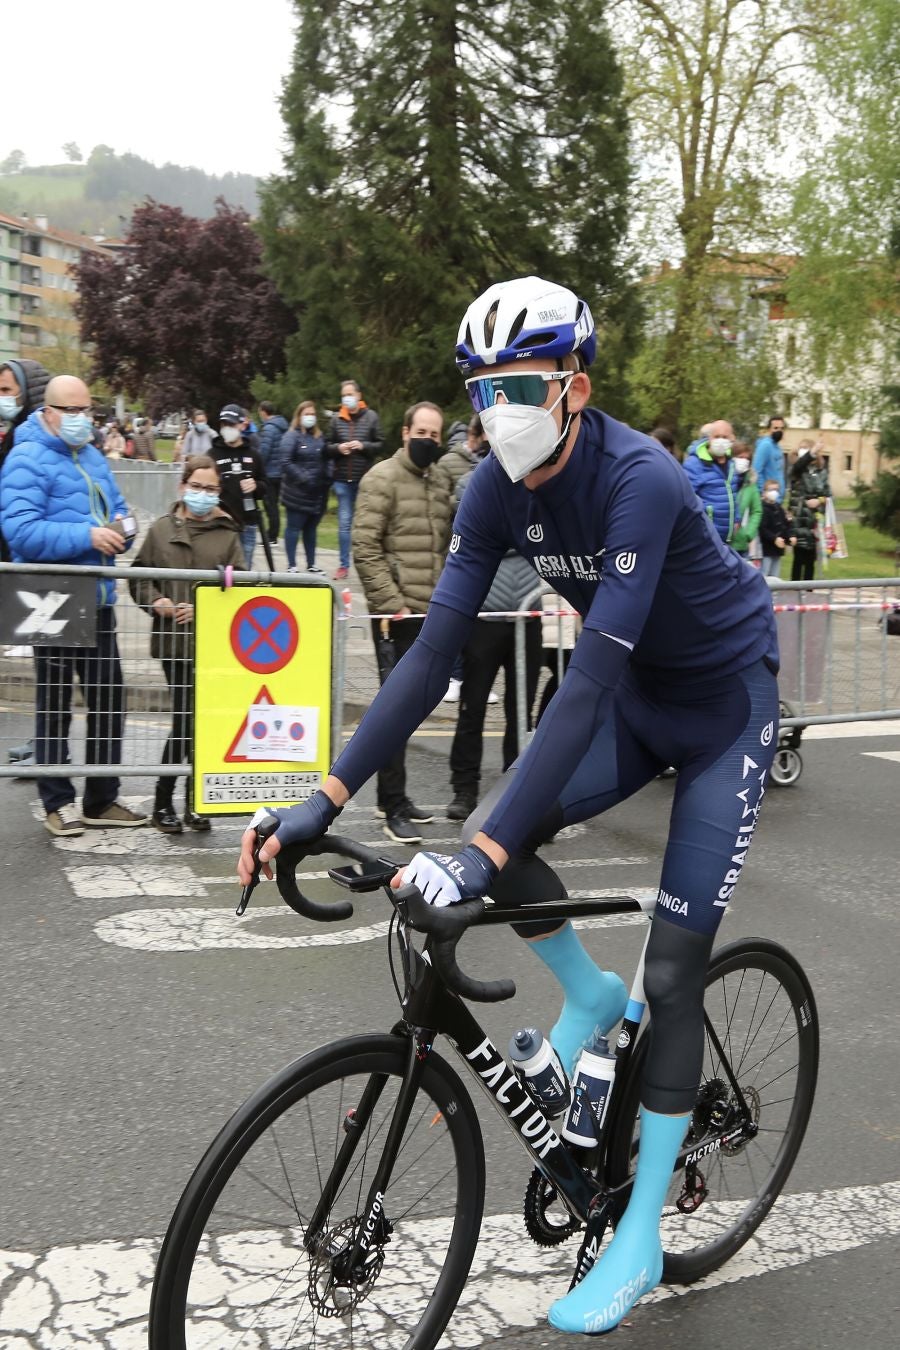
543,1229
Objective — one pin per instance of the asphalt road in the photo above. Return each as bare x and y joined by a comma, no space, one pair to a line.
130,1033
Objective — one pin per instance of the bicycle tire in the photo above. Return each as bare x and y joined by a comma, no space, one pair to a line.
201,1253
774,992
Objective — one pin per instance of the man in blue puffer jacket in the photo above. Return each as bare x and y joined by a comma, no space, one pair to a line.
59,503
708,465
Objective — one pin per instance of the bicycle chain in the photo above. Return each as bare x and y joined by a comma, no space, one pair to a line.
539,1195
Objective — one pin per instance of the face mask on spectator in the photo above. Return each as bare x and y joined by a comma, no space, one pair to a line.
231,435
308,420
741,464
200,503
776,436
719,446
771,495
199,423
76,429
350,402
9,407
423,451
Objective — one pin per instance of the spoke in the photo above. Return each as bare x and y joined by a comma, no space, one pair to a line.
270,1190
739,1067
312,1135
286,1177
425,1194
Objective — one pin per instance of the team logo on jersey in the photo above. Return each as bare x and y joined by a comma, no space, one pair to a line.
455,542
535,533
625,563
767,733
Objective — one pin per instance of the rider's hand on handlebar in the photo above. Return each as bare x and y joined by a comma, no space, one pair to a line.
301,824
447,879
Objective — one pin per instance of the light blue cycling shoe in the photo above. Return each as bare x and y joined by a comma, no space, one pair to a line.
595,999
632,1264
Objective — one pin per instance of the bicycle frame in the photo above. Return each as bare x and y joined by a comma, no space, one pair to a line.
430,1009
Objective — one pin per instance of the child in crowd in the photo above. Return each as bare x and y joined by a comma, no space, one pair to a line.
775,530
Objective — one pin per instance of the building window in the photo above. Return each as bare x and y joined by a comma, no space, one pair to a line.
790,349
848,463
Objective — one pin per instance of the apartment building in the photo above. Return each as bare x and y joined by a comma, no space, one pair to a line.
37,288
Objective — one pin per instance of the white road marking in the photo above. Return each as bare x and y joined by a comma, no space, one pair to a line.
97,1294
883,754
196,930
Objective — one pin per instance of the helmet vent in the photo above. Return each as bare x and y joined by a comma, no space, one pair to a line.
517,325
538,339
490,320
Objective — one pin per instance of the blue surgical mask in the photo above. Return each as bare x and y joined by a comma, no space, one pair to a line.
76,429
350,402
200,503
308,420
9,407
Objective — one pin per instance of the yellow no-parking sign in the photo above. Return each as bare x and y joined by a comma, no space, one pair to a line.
262,695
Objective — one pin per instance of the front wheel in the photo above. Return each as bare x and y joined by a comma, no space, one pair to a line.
243,1268
761,1008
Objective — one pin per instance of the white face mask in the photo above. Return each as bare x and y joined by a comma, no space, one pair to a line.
771,496
231,435
522,437
741,464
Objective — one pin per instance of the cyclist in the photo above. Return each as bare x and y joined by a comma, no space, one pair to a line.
675,665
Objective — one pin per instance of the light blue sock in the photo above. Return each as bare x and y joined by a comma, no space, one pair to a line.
632,1264
594,998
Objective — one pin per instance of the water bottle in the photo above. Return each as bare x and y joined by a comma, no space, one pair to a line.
535,1061
593,1082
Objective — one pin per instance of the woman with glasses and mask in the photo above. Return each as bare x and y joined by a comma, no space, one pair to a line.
676,664
195,534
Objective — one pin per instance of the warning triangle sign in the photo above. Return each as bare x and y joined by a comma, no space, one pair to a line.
237,751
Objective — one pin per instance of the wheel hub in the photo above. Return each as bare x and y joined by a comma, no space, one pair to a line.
335,1286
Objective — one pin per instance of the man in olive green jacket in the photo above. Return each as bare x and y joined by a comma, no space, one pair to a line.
401,533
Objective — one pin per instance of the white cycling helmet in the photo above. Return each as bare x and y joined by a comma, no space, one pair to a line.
526,317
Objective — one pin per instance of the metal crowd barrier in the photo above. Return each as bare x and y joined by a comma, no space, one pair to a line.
146,692
838,663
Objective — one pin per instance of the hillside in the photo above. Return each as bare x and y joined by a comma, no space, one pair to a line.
99,196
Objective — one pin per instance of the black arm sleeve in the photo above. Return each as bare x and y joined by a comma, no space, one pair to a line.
413,689
573,717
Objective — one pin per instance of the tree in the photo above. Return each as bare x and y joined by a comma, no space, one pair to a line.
185,315
712,100
72,153
431,153
844,290
14,162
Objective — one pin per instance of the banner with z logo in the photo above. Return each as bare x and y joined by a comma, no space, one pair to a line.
44,611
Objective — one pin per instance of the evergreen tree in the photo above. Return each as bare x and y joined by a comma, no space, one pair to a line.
434,149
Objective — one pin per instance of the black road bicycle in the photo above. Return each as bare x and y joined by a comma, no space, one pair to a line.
341,1204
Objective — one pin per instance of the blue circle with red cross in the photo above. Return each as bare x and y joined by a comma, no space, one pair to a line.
264,635
297,731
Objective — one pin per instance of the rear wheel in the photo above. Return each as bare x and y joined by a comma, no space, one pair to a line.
762,1010
241,1267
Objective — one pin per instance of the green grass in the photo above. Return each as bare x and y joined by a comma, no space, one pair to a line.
872,554
38,191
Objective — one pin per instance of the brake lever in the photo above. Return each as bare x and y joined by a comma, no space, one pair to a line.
265,825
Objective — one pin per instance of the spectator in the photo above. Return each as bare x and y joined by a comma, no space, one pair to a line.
400,541
199,437
667,441
22,385
467,445
776,530
196,533
352,443
304,484
274,427
557,631
708,466
144,445
768,457
60,504
490,646
243,480
114,444
749,502
809,489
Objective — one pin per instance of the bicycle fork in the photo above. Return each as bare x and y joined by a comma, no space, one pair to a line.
374,1227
